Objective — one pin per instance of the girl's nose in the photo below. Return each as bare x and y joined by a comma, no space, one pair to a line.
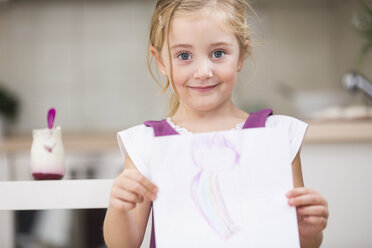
203,70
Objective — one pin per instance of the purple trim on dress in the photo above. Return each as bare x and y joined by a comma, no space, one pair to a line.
162,128
257,119
152,240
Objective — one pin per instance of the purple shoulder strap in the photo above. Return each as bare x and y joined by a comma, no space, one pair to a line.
257,119
162,128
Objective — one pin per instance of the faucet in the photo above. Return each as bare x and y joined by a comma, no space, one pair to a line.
354,81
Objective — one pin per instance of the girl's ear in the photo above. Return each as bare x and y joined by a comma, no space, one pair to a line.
159,61
241,59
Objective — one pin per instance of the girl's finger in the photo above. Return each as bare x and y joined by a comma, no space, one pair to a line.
134,175
137,188
300,191
122,205
307,199
315,220
318,210
128,196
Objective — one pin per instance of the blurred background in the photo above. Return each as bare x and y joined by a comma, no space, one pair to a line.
88,60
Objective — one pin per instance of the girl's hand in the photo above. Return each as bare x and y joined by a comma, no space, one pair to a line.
130,188
312,210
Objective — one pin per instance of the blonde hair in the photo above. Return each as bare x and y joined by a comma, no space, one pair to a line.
231,14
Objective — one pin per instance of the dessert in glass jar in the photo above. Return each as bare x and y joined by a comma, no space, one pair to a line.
47,152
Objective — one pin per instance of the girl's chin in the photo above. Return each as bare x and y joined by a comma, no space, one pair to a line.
205,106
205,103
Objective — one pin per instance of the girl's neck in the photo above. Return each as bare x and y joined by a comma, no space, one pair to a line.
225,117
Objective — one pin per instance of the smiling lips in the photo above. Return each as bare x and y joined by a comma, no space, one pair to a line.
203,88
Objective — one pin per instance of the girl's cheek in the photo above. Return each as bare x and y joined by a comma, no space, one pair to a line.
180,75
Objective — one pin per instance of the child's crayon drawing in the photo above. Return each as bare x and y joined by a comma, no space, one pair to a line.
223,189
213,156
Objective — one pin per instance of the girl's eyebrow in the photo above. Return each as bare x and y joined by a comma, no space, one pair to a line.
181,45
222,43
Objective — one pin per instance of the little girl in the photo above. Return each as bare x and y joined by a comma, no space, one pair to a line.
199,46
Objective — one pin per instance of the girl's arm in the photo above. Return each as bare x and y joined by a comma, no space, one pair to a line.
311,207
129,207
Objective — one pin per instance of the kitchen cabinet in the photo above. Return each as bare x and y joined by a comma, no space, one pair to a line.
342,172
337,161
93,159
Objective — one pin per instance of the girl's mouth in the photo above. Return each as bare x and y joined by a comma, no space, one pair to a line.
203,88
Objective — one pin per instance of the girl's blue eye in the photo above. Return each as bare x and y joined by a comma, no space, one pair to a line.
184,56
218,54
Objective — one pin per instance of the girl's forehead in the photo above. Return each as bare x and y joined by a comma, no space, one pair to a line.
194,26
199,17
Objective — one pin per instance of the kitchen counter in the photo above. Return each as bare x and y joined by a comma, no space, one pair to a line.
318,132
339,131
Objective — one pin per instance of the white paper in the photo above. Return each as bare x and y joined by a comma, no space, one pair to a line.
223,189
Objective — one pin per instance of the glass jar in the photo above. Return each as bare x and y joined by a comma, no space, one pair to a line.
47,154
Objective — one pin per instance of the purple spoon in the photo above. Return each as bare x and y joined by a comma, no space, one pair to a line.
51,116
